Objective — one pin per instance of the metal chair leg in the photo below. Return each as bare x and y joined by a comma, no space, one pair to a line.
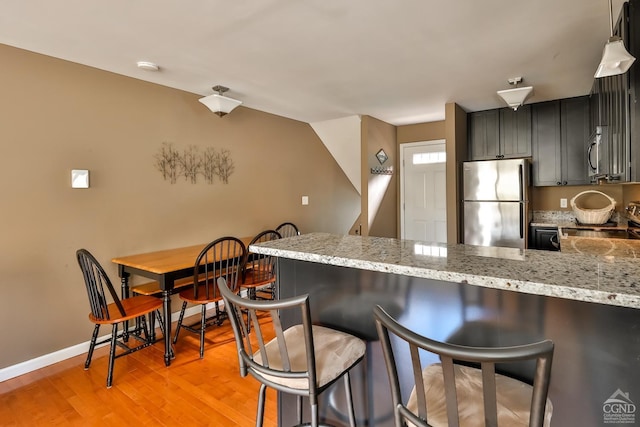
203,327
92,346
160,320
261,400
347,390
314,415
152,327
184,307
143,328
112,354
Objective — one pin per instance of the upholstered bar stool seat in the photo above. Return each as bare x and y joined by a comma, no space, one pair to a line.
464,389
335,352
513,398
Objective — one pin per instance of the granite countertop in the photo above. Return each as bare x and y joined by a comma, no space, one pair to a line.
607,279
627,248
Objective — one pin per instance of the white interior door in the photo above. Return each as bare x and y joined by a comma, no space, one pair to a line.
423,191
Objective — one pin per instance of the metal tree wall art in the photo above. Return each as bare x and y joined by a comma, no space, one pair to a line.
167,162
224,165
191,162
209,164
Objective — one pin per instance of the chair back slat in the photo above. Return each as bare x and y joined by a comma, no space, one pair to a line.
221,258
489,393
282,348
96,280
417,377
451,395
253,316
288,229
450,356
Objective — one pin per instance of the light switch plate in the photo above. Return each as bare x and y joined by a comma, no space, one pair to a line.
79,178
563,203
305,200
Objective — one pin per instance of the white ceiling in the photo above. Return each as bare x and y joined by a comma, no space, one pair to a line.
400,61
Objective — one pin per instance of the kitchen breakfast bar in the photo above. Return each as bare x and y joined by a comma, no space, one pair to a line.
480,296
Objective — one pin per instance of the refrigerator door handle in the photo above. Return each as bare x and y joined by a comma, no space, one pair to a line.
521,177
521,220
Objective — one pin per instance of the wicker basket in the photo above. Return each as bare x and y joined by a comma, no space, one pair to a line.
593,216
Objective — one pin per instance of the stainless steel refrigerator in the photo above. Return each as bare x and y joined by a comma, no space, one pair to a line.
496,202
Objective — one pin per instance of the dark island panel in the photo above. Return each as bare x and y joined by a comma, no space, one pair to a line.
597,345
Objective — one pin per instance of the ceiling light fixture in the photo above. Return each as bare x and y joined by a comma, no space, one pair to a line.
219,104
615,58
515,97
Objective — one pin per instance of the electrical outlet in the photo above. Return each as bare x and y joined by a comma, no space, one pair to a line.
563,203
305,200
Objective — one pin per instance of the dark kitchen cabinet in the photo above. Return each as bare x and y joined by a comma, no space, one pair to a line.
546,167
500,134
484,135
544,238
574,128
560,132
515,132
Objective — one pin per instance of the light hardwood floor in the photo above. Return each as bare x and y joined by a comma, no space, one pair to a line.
191,392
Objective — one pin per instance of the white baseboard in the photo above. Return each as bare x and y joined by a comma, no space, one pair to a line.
69,352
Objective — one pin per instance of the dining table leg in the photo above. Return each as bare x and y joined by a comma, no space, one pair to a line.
166,299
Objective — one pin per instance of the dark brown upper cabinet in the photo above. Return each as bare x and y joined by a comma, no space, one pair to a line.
500,134
560,134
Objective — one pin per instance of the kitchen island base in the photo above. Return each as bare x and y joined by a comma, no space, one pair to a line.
597,353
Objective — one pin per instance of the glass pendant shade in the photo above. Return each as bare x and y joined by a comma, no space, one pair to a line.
220,104
615,59
515,97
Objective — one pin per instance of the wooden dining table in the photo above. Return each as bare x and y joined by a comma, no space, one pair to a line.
165,267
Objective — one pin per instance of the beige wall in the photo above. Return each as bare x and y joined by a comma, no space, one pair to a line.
58,116
456,135
421,132
380,199
548,198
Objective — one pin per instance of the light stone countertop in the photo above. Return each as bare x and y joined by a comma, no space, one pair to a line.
600,279
628,248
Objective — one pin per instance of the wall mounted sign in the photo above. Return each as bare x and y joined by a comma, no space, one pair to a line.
381,156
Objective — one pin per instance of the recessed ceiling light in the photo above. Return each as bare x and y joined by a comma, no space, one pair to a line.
149,66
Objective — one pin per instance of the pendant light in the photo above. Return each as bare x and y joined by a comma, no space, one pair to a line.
515,97
615,58
218,103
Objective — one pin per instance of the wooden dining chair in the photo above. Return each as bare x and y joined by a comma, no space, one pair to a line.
463,389
288,229
259,273
224,257
118,312
303,359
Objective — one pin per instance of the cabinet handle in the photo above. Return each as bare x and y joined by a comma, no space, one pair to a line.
558,183
564,183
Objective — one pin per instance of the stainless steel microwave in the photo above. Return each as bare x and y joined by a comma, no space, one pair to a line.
598,153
